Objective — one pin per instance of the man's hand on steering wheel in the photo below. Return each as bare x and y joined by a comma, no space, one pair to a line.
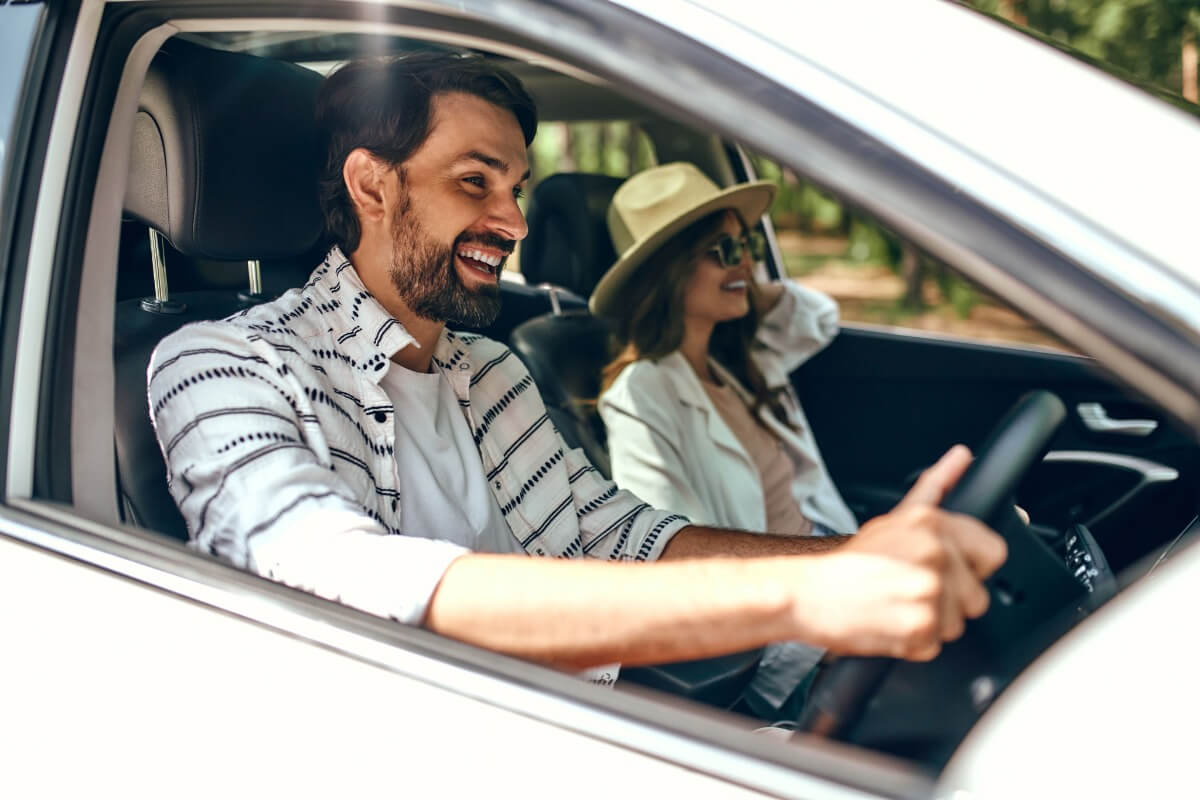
917,574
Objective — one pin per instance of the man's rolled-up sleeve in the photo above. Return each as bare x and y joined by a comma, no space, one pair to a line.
614,524
349,558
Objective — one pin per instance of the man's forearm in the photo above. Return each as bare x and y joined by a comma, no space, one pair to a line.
903,585
699,542
582,613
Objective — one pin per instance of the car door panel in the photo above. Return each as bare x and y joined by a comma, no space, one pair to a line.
883,405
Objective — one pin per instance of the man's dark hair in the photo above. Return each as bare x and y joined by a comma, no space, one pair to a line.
383,105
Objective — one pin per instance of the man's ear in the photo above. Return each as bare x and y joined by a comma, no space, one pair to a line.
366,178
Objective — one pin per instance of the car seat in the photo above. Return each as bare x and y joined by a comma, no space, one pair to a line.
223,168
569,246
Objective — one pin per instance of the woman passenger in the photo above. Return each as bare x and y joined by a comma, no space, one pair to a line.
698,406
699,411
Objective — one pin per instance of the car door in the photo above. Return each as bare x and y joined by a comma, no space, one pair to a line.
133,662
886,400
885,403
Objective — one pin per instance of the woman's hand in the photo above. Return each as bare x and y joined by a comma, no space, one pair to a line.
766,295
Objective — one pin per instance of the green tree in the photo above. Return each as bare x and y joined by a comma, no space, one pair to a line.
1146,40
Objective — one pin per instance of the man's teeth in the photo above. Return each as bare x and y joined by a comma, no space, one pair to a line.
479,255
734,285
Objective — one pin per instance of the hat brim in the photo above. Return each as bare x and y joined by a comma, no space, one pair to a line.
750,200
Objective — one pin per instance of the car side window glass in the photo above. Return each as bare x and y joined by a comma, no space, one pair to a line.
876,276
18,28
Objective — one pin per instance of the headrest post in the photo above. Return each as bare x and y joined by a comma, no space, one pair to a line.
254,268
161,302
254,293
158,261
552,291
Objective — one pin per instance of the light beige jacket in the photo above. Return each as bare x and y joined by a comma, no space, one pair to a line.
670,446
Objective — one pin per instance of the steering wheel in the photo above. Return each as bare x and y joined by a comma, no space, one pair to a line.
984,491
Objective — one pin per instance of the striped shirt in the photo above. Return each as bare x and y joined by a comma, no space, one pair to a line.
279,443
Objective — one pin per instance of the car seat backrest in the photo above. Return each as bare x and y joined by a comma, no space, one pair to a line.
224,166
565,354
568,245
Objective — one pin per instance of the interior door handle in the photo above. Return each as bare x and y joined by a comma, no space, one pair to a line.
1096,418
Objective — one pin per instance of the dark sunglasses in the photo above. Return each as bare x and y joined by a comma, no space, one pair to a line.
729,249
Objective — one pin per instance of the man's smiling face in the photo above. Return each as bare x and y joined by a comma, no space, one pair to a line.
457,219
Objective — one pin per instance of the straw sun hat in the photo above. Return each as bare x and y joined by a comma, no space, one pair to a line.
654,205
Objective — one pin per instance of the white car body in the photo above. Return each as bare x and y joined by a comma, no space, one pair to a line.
118,668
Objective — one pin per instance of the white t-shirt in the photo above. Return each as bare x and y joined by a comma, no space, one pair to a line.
447,510
445,494
443,489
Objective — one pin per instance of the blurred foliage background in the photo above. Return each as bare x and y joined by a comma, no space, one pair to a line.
876,276
879,278
1151,42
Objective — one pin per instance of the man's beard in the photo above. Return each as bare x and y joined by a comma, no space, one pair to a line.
424,274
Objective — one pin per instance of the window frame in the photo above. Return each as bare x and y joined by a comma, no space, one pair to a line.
51,516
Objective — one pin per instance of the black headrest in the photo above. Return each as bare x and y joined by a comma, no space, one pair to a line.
565,355
568,242
224,154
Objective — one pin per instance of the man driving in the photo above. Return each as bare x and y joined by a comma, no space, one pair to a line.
343,440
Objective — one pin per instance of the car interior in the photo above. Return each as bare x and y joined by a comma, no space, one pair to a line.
220,213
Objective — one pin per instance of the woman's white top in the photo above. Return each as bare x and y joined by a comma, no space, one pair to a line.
670,447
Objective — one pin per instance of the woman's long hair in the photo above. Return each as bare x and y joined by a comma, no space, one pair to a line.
651,324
